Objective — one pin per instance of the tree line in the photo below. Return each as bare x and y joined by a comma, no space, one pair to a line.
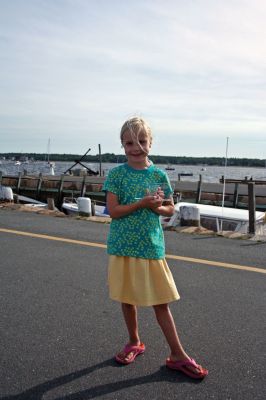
120,158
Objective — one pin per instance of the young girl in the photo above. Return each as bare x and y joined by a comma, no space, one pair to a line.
137,194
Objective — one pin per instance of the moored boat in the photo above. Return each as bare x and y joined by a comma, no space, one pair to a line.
219,218
70,206
170,168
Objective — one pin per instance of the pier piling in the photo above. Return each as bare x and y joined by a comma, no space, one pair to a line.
251,207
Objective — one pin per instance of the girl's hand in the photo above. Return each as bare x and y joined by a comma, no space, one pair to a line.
160,192
151,202
155,191
155,203
117,210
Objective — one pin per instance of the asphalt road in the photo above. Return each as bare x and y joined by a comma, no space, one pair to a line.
60,331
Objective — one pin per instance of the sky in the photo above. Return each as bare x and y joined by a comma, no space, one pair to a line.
73,71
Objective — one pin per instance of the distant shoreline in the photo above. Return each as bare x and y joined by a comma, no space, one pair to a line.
120,158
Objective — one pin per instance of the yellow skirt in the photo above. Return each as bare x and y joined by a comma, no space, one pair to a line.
141,282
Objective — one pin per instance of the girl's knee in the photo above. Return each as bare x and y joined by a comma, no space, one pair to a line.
161,308
128,306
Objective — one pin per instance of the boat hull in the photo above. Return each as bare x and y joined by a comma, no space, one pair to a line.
219,218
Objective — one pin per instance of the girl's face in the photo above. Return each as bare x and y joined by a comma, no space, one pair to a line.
136,149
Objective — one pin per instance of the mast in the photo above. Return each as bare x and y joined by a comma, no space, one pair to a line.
225,166
48,150
100,159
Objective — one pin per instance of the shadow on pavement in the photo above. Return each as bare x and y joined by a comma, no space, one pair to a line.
37,392
205,237
253,244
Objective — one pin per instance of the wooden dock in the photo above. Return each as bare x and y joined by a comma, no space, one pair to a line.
57,187
236,194
42,187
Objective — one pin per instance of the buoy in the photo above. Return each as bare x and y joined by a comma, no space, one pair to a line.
6,193
84,206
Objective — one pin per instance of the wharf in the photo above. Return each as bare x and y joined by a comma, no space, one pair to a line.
42,187
236,194
57,187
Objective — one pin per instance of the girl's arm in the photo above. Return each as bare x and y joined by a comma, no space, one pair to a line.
167,209
117,210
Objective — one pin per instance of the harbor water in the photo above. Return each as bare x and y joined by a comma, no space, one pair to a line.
208,173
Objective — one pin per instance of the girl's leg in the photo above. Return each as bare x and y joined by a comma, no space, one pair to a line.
130,315
131,320
166,322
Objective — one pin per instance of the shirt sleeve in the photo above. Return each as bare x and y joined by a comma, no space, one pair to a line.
112,182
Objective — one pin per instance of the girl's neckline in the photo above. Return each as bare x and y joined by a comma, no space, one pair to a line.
140,169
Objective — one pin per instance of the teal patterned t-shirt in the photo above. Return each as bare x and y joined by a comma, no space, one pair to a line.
140,233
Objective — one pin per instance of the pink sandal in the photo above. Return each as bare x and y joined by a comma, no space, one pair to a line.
130,349
183,365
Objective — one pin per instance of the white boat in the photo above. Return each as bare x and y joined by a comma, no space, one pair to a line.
50,164
29,202
219,218
70,207
6,193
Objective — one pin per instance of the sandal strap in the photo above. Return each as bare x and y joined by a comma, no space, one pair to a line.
132,348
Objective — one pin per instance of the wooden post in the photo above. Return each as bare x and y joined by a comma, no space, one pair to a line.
19,182
251,207
100,159
60,189
1,176
93,208
39,184
83,187
199,189
235,201
50,202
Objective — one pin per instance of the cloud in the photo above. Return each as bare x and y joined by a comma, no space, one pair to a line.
77,66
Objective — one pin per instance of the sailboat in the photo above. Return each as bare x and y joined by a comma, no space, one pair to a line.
50,164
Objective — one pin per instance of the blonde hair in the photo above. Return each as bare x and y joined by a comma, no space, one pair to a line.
135,126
